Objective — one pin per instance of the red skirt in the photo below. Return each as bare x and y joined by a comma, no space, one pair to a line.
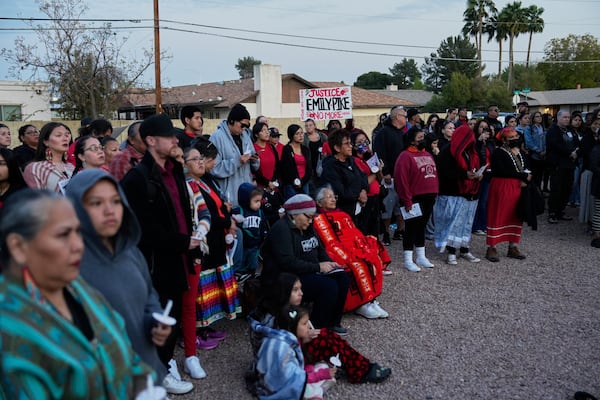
503,225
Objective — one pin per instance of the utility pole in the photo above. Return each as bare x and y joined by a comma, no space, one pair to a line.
158,88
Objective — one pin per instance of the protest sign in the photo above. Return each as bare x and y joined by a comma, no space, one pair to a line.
326,103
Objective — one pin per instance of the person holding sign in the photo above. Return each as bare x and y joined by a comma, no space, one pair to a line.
416,182
340,171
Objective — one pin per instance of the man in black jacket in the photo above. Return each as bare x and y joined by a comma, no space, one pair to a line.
157,194
561,154
389,141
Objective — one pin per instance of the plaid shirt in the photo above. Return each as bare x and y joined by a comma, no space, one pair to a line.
124,161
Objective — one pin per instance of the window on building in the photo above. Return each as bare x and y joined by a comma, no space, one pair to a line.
10,113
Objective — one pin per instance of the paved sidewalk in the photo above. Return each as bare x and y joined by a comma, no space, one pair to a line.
509,330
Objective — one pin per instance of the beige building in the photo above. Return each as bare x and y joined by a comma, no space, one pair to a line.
24,101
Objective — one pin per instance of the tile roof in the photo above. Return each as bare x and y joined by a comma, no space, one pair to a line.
418,97
363,98
563,97
225,94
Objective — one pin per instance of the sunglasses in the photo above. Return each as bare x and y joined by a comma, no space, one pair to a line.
245,126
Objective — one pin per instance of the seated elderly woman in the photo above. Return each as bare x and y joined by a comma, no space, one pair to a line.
363,256
292,246
60,338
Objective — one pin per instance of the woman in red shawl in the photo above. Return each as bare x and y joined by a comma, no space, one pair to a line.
363,256
455,207
509,176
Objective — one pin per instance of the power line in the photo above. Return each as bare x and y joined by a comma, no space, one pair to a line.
358,51
273,42
247,31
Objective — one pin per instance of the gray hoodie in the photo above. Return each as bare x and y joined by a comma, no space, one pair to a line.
123,277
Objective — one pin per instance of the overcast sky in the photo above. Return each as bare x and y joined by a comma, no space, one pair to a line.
199,58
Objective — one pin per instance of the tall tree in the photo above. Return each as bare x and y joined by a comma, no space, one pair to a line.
498,32
567,75
85,67
535,24
405,73
245,66
455,54
373,80
475,17
513,18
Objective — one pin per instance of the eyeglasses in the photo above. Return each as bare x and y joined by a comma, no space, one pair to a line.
95,148
195,159
309,217
331,196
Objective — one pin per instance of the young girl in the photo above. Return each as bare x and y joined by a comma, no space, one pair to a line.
283,373
322,343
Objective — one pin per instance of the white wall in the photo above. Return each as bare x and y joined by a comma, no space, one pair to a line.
34,99
267,81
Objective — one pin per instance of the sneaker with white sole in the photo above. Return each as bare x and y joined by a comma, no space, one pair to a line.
412,267
367,311
192,366
387,271
381,311
173,369
451,260
176,386
470,257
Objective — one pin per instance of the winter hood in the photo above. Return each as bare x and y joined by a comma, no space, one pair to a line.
129,233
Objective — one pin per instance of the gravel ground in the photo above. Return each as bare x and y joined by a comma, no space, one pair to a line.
509,330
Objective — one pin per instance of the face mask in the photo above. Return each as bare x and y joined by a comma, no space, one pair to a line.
513,143
421,144
362,148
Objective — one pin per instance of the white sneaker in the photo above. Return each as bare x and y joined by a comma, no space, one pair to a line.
411,266
192,367
381,311
367,311
451,260
470,257
173,369
423,262
176,386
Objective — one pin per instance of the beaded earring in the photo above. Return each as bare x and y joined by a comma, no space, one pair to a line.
48,154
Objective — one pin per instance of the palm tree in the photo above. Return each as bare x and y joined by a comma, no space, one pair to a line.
512,18
535,24
498,32
475,18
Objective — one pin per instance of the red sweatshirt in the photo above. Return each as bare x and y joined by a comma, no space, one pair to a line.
414,174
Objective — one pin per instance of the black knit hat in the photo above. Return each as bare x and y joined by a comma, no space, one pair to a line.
238,113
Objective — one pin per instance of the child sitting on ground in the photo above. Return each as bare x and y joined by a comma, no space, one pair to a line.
281,368
250,218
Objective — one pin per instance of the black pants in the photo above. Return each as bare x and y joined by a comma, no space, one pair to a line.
328,293
561,184
165,353
414,228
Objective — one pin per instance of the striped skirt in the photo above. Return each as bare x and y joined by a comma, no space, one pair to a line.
503,224
217,296
596,216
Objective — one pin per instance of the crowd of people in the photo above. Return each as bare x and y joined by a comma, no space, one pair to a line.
101,243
